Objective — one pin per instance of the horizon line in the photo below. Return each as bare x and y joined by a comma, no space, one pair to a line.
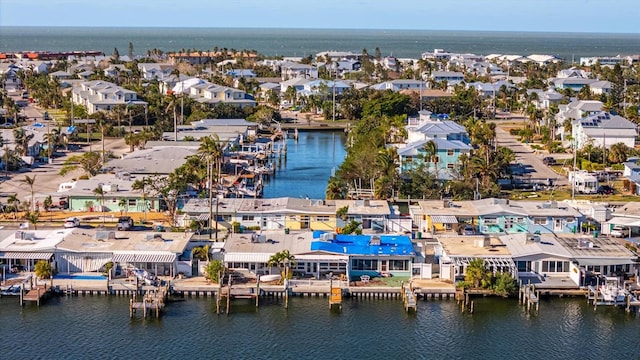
312,28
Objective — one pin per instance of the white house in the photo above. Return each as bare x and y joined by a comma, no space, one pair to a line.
603,130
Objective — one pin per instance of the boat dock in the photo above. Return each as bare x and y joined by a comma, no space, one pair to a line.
529,297
37,294
409,298
153,300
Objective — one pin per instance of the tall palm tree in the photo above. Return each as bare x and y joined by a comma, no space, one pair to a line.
142,185
430,149
30,181
213,152
99,192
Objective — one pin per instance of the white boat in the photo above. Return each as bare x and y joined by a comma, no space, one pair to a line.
611,290
268,278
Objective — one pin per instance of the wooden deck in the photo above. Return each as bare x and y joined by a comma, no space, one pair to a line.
153,300
37,294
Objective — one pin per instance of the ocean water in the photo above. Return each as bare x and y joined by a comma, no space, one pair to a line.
99,327
302,42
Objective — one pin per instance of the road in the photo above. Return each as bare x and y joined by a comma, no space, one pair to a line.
533,162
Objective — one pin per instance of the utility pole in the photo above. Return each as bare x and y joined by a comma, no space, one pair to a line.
210,171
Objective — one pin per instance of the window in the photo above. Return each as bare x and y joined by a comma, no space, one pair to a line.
293,218
399,265
435,159
540,220
450,152
362,264
450,166
519,220
322,218
555,266
490,221
132,202
247,217
408,159
524,265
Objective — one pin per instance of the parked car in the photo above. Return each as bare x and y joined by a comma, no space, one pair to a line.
71,222
605,190
467,230
548,160
619,231
124,223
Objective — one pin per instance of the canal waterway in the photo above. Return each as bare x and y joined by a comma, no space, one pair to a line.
309,163
99,327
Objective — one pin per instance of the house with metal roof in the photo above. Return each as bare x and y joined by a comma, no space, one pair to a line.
451,77
88,250
568,260
602,130
496,216
443,165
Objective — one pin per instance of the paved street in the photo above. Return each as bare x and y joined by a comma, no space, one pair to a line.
533,162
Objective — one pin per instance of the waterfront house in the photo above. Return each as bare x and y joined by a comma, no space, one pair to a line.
444,164
373,215
455,252
251,251
23,248
573,259
602,130
88,250
369,255
213,94
450,139
158,160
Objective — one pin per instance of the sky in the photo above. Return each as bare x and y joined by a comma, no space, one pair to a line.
609,16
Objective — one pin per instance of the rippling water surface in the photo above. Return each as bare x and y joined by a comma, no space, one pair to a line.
99,327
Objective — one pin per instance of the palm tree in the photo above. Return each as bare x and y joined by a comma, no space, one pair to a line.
30,181
211,150
14,201
99,191
122,204
430,149
618,153
201,252
283,260
43,270
477,273
142,185
32,217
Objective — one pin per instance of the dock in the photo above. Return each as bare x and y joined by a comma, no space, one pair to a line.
37,294
409,298
227,292
153,300
529,297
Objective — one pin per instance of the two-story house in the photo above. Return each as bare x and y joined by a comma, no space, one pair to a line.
603,130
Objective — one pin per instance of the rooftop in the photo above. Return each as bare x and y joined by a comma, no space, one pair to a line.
371,245
456,245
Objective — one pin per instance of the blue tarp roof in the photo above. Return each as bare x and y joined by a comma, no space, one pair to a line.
361,245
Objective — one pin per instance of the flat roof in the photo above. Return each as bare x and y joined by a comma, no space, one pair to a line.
33,240
460,245
85,240
297,242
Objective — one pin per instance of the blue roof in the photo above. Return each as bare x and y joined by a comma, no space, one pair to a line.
361,245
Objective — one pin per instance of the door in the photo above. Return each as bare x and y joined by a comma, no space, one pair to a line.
557,225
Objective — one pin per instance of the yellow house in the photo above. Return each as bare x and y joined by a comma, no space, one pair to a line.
310,214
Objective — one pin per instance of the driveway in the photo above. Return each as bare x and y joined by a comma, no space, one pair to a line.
532,162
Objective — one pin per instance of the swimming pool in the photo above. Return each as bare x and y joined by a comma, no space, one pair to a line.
80,277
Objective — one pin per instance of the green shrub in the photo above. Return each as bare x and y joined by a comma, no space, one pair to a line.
505,285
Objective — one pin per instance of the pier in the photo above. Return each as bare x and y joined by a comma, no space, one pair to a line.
225,294
37,294
409,298
529,297
153,300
